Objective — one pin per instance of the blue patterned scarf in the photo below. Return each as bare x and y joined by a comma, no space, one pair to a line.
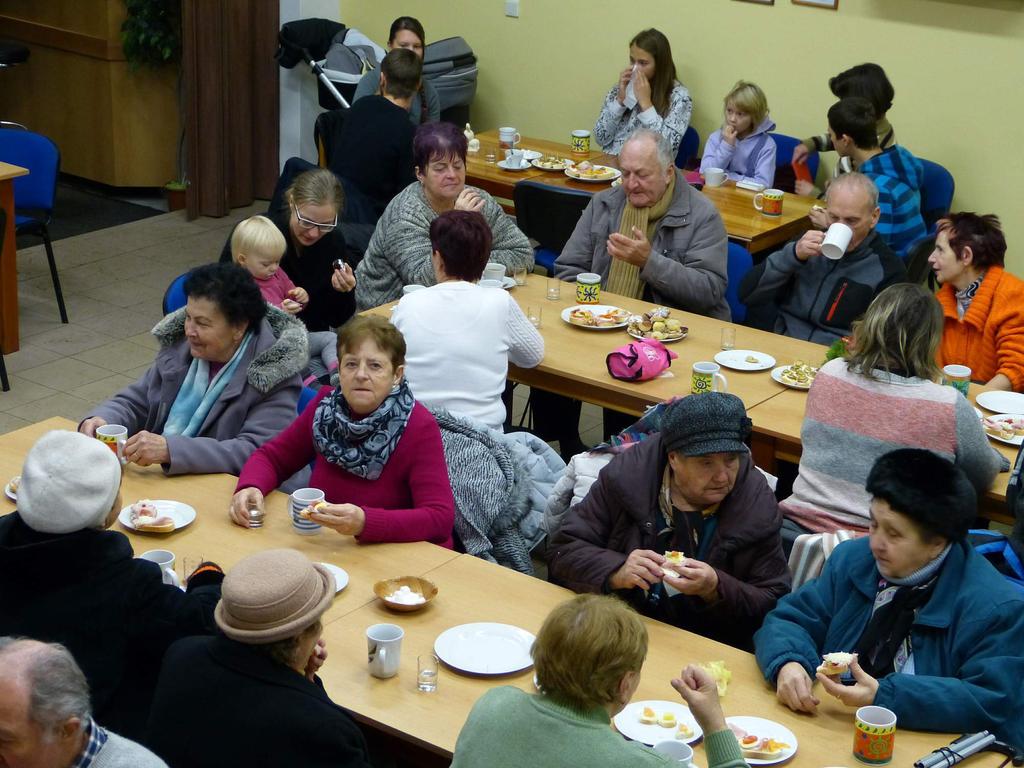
361,446
197,393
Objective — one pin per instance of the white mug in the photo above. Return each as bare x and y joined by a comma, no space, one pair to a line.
299,500
494,270
707,377
508,137
679,751
837,240
384,649
488,283
714,177
514,158
165,559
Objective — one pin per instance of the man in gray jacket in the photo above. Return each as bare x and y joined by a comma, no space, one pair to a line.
654,237
816,298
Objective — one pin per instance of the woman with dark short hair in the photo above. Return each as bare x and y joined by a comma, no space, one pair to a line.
226,379
400,252
461,336
935,628
982,303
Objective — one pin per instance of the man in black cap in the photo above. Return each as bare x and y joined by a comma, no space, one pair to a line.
690,488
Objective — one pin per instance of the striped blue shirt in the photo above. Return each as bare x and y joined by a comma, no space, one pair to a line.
898,176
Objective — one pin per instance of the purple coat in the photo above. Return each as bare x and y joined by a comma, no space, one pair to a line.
751,159
620,514
256,404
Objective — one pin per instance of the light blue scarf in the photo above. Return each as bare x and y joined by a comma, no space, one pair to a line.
198,394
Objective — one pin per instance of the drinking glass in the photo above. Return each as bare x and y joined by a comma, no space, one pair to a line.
491,157
728,338
554,289
520,276
426,672
533,314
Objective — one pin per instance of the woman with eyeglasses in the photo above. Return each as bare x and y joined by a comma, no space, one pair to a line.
316,258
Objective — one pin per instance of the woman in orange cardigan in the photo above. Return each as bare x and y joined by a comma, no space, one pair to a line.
982,303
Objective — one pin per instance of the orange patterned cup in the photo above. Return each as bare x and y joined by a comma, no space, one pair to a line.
769,202
874,735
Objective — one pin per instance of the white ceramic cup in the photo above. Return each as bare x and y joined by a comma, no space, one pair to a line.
384,649
165,559
707,377
412,288
487,283
299,500
514,158
679,751
494,270
837,240
508,137
714,177
114,436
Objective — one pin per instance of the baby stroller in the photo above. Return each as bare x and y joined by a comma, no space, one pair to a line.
450,66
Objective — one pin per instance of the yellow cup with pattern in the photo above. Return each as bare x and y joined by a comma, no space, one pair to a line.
588,288
579,142
707,377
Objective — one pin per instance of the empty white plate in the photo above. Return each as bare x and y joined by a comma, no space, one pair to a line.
1001,402
737,360
340,576
485,648
182,514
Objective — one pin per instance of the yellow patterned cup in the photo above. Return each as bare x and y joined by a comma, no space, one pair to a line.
588,288
874,735
707,378
580,142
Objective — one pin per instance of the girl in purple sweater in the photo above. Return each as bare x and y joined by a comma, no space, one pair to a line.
742,147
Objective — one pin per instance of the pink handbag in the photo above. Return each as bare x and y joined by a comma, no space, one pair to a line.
640,360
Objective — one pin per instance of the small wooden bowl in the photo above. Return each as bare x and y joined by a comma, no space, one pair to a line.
387,587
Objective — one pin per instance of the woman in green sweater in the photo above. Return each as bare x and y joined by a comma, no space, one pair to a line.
587,657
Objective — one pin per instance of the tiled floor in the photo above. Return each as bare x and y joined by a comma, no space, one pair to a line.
114,281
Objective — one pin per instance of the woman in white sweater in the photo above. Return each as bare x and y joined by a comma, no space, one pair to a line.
460,336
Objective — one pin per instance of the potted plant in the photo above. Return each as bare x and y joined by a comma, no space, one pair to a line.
174,191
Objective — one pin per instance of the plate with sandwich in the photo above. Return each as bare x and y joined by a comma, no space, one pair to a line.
11,489
156,516
652,721
762,741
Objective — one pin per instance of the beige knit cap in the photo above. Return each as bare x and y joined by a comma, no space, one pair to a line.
273,595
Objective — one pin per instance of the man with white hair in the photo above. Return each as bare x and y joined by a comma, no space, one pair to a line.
816,298
653,237
45,716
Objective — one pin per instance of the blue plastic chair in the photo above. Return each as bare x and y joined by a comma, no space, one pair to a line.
686,157
34,194
549,216
936,193
740,262
784,146
174,296
305,398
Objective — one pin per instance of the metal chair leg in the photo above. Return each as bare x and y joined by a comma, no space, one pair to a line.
5,385
53,275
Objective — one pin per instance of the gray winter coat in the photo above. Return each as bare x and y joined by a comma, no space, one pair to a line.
256,404
687,268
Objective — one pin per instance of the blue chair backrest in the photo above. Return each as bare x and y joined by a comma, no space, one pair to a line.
688,147
40,155
305,397
936,193
740,262
174,296
784,146
548,214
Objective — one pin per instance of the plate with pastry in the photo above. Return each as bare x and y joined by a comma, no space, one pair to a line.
11,489
587,171
551,163
836,663
658,324
156,515
652,721
596,317
1005,427
762,741
799,375
745,360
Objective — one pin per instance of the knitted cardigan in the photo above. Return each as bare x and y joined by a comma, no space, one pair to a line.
399,251
120,752
990,338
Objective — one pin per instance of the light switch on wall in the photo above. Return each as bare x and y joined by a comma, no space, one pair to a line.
512,8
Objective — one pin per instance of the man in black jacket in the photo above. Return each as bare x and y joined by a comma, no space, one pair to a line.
65,579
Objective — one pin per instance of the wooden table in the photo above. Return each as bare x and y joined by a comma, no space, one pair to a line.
751,228
8,261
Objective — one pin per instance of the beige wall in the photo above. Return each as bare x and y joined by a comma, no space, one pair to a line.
956,66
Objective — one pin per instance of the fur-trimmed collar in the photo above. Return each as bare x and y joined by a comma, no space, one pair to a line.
284,358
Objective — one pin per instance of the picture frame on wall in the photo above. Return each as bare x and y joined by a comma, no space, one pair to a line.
830,4
759,2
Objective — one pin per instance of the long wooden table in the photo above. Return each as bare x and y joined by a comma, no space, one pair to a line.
469,590
8,261
743,223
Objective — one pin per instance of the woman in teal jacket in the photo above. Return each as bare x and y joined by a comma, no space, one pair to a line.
938,632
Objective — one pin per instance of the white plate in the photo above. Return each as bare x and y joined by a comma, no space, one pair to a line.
9,492
560,167
668,340
596,309
1001,402
615,173
627,722
485,648
532,154
759,726
777,375
1016,439
340,576
182,514
504,165
508,282
737,360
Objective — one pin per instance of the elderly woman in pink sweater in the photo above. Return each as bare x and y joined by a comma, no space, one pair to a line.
376,452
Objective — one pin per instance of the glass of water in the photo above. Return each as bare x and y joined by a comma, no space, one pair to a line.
533,314
554,289
426,672
729,337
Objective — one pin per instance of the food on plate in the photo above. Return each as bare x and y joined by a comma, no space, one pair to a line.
684,732
799,374
591,319
720,673
648,716
12,486
1005,428
835,663
146,517
583,167
587,170
667,719
738,732
308,511
551,163
751,359
657,324
406,596
761,748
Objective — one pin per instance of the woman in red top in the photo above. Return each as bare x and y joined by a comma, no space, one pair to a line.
982,303
377,452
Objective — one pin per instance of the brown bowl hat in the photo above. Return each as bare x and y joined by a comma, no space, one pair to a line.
273,595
